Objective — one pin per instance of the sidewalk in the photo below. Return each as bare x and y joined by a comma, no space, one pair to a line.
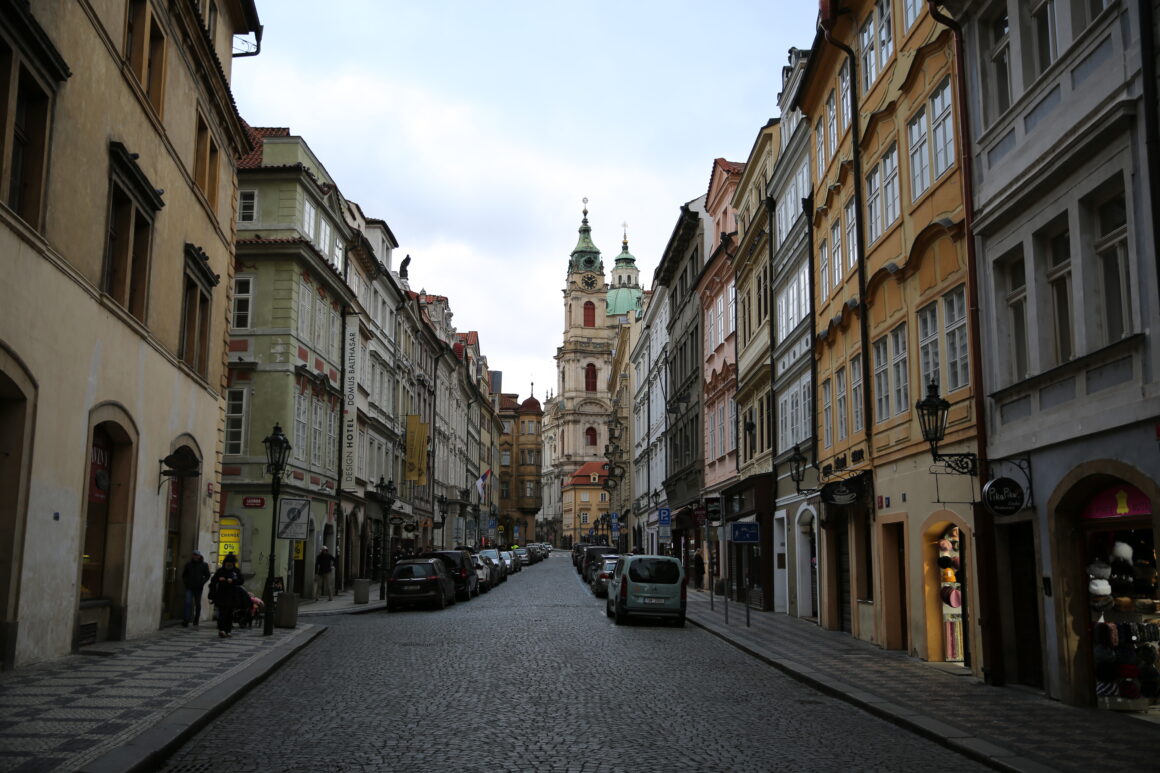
1007,727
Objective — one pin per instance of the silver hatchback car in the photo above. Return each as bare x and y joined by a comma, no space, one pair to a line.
647,586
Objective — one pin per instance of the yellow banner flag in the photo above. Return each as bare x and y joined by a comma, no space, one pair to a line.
416,451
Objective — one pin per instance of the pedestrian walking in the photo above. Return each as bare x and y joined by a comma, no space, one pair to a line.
699,569
226,592
324,574
194,576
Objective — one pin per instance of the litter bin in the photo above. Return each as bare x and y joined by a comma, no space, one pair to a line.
362,591
286,611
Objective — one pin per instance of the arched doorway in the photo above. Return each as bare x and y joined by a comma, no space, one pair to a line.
106,526
183,468
806,565
17,419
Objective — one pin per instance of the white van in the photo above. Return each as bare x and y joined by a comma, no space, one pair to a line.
647,586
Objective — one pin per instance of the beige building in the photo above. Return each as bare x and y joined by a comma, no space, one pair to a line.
119,140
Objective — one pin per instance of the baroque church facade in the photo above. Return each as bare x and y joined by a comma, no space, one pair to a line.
576,417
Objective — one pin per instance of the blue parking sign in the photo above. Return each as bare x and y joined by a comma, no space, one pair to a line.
664,516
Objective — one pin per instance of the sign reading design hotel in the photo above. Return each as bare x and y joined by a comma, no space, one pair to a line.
349,406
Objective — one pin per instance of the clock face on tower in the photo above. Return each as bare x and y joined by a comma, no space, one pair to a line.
589,282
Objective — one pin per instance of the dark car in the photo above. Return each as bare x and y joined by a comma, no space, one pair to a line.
418,581
577,551
462,570
590,559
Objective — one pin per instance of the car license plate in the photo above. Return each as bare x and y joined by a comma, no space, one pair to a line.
410,587
649,600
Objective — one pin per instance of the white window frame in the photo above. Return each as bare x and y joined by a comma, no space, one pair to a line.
305,307
910,11
318,436
836,249
824,267
827,414
247,206
900,368
840,402
309,219
919,148
850,212
873,205
844,92
831,125
237,414
929,358
856,391
301,425
955,323
942,128
881,379
243,297
891,200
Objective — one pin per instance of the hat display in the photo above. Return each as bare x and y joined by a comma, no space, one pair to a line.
1100,588
1099,569
1122,550
951,596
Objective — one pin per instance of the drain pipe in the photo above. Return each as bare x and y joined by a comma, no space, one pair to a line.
1151,121
990,632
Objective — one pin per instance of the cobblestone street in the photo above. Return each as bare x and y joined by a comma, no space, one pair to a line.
533,676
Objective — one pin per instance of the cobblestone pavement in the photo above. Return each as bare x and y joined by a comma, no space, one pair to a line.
533,676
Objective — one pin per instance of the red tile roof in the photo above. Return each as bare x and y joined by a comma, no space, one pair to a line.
258,134
583,476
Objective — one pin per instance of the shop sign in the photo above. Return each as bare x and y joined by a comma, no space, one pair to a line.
1117,502
1003,496
842,492
745,532
253,502
299,550
699,515
349,440
229,538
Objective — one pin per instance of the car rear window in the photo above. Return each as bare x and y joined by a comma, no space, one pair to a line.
410,571
654,570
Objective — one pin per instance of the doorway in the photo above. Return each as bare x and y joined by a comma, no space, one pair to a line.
896,622
1023,587
780,566
17,409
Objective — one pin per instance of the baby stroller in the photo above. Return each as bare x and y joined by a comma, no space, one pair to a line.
246,614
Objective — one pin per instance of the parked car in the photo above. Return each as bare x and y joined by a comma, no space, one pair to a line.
600,577
591,558
510,561
493,554
525,558
647,586
577,551
462,570
483,572
420,581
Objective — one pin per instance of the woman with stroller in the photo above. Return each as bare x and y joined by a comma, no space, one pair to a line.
226,593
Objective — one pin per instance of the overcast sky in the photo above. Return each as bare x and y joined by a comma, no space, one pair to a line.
475,129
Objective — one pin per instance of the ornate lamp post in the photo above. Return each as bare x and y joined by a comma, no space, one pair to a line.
441,500
797,471
932,418
386,491
277,449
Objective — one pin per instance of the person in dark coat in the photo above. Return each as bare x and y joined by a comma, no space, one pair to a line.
324,574
699,570
225,593
194,576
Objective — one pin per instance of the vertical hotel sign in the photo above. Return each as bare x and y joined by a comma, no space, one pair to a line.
349,440
416,450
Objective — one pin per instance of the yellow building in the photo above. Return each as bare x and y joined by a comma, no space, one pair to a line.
891,290
117,235
584,501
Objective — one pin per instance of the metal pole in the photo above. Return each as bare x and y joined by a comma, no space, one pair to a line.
268,594
383,560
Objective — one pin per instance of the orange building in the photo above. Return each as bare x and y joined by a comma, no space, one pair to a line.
890,294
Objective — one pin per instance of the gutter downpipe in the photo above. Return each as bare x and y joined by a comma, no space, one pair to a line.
856,156
808,213
771,209
990,632
1151,119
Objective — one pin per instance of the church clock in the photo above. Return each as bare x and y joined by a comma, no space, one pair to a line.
589,282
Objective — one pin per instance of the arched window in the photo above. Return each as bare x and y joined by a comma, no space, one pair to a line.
590,378
589,314
590,436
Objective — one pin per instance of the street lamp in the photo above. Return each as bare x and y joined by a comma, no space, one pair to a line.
277,449
441,500
386,491
932,418
797,471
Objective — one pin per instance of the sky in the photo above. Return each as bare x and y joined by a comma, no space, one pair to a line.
476,129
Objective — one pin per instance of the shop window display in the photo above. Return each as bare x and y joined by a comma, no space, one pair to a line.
951,591
1124,599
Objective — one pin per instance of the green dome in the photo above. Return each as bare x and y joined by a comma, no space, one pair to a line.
623,300
585,257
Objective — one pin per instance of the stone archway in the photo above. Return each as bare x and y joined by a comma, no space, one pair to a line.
18,399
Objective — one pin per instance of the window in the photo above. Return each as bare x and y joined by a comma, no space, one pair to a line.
247,206
866,44
529,488
712,427
824,268
317,436
851,215
881,380
590,378
836,241
505,458
721,430
840,402
309,218
942,128
145,51
928,344
195,310
831,125
955,320
301,427
133,203
999,54
1043,35
910,11
206,162
590,436
900,369
304,308
235,440
325,236
584,518
26,113
856,390
732,308
884,13
873,204
720,319
1057,248
1111,248
589,314
710,344
320,319
919,154
890,195
844,92
1013,281
827,414
820,143
733,425
331,439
